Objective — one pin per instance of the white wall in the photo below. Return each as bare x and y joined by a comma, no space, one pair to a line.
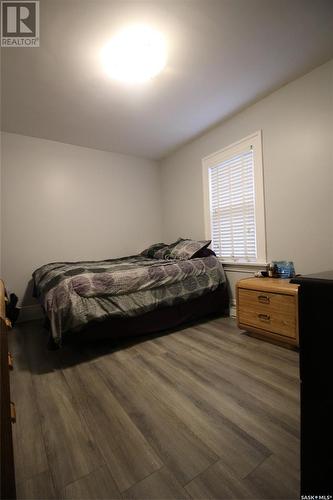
63,202
297,125
1,201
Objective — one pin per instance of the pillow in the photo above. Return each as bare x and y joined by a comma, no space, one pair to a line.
203,252
151,251
165,253
159,250
186,249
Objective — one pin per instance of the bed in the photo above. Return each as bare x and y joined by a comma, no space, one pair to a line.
161,288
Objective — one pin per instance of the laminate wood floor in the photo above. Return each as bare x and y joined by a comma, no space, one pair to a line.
204,412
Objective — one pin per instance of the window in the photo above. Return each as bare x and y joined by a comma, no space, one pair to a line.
234,202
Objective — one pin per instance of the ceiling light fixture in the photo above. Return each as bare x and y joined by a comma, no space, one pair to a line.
135,55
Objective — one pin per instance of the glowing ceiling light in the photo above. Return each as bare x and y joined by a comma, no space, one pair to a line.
135,55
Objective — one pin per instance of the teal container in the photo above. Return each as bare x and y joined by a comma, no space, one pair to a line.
284,269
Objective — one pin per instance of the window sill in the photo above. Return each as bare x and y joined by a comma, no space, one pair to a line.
243,267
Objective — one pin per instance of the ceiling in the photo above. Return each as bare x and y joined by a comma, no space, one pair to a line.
223,55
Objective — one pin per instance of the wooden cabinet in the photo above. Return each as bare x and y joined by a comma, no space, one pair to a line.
7,479
268,308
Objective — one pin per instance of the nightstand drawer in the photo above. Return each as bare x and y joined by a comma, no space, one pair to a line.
273,312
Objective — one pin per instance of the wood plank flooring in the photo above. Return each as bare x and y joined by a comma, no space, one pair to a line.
203,412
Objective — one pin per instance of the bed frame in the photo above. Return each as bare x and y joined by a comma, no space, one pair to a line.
159,320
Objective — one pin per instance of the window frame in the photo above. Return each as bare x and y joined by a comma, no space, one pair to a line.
212,160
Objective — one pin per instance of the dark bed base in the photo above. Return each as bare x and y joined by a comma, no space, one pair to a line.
158,320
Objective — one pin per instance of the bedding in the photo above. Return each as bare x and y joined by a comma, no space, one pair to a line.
159,320
73,294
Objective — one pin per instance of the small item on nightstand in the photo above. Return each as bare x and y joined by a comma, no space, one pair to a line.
284,269
261,274
271,270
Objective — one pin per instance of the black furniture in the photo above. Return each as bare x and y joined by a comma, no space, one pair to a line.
316,361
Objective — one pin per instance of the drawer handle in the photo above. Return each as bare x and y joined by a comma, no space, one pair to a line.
10,361
12,413
264,299
264,317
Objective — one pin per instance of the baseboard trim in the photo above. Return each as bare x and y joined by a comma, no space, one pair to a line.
29,313
232,308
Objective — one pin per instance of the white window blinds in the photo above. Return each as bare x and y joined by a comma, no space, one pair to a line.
232,207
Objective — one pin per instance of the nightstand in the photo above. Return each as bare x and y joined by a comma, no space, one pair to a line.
268,308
